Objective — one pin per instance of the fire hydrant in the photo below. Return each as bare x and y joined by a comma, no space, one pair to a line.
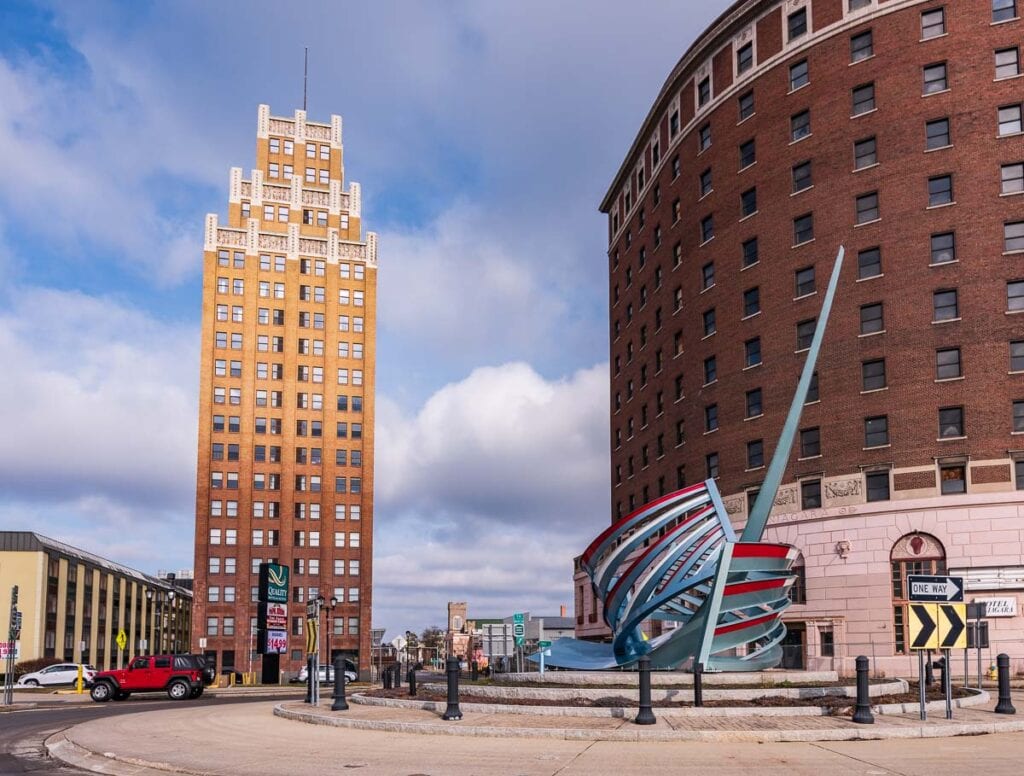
993,673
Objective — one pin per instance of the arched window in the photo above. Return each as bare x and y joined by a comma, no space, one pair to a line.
798,591
915,553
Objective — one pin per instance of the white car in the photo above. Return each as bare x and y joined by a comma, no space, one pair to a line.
327,674
61,673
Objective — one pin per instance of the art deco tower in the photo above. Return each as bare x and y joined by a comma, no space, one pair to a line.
286,407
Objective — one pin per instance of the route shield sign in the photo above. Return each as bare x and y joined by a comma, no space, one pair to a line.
937,626
274,583
929,588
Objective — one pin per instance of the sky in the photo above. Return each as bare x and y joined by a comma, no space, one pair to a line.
484,135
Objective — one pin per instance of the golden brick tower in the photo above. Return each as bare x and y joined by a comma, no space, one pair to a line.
286,405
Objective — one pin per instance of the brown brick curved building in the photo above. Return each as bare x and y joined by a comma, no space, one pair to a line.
890,127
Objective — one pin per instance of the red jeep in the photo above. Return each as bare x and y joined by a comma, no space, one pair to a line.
181,676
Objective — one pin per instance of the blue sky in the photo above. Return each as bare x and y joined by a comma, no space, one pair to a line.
484,135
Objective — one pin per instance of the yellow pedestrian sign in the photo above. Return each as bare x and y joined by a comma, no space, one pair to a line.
122,639
937,626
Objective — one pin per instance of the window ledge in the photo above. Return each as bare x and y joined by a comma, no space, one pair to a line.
949,379
1013,253
809,457
862,59
878,447
944,263
947,320
1004,21
712,431
706,194
940,91
801,86
1010,134
938,148
708,336
944,204
748,118
866,167
748,216
701,245
1011,194
874,390
809,403
801,350
1013,312
870,277
933,37
801,191
705,385
754,468
707,288
754,264
801,244
801,139
863,113
867,223
1007,77
746,167
752,315
752,366
952,438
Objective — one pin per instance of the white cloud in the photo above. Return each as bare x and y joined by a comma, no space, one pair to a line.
488,492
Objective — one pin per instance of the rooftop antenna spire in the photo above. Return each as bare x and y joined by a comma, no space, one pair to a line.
305,75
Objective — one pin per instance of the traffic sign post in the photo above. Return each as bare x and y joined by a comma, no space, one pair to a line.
941,626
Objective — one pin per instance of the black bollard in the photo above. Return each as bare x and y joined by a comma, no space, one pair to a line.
453,711
398,676
473,675
340,704
310,678
862,714
387,678
698,684
411,678
645,716
1003,665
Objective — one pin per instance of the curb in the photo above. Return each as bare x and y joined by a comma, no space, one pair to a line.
625,712
62,749
865,733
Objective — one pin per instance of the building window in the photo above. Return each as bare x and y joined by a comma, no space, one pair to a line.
877,485
1004,10
710,370
704,138
751,301
1012,178
711,465
709,322
705,182
945,305
799,75
711,417
803,229
951,422
802,176
752,352
869,263
943,248
798,590
748,154
1018,468
755,454
871,318
876,431
940,190
707,228
1010,120
755,406
863,99
953,479
1015,296
1017,356
800,125
707,276
937,134
861,46
933,23
704,91
1013,237
947,364
935,78
750,252
748,202
867,208
810,442
796,24
804,281
1018,417
746,105
873,374
745,57
810,494
865,153
805,333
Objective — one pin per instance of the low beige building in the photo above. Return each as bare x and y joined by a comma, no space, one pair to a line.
75,604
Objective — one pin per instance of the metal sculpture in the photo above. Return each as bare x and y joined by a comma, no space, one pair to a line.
679,559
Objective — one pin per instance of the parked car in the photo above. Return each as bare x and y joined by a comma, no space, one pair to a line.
327,673
180,676
61,673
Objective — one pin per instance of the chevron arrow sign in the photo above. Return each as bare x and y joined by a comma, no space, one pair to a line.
923,627
952,626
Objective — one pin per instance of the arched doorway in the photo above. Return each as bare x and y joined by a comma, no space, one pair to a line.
916,553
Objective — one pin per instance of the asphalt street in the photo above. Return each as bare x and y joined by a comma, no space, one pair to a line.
22,732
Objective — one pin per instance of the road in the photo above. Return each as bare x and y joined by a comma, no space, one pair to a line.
22,732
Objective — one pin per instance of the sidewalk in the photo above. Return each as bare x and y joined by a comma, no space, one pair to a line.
248,739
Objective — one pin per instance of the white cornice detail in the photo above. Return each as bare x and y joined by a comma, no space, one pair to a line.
296,192
332,244
235,185
334,197
300,126
371,249
293,241
263,121
210,236
335,131
355,199
253,241
257,187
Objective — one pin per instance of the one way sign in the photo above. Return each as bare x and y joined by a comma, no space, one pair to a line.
942,589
